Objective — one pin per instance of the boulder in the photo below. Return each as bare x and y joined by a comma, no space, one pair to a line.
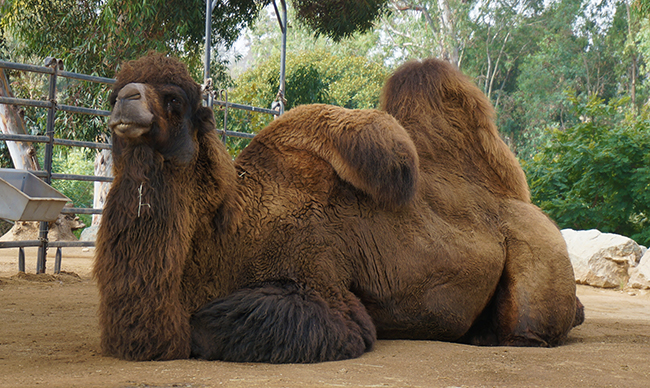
89,234
601,259
640,275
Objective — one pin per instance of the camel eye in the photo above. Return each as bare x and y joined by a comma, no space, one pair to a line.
173,104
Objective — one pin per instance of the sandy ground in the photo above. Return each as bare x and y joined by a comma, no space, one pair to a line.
49,337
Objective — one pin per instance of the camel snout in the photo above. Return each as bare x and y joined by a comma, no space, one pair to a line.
131,116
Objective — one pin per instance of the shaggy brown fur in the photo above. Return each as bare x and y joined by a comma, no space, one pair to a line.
474,185
331,227
165,189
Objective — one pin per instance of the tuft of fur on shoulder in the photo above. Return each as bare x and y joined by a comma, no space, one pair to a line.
279,322
433,97
217,176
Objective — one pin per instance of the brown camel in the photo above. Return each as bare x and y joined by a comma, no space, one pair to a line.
331,228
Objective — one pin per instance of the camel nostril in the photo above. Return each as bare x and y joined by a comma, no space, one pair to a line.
132,92
134,96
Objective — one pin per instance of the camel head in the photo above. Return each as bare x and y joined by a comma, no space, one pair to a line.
157,104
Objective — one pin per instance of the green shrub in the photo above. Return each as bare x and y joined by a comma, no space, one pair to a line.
312,77
596,174
75,161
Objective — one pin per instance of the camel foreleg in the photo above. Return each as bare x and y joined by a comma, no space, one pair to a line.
280,322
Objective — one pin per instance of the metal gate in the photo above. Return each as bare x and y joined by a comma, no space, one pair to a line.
54,69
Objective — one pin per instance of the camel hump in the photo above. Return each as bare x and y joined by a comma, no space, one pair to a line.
367,148
434,97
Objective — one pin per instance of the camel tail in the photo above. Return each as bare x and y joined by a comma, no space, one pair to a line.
278,323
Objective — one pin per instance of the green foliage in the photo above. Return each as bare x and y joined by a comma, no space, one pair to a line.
585,62
5,226
525,54
339,19
74,161
642,6
312,77
596,173
265,37
95,36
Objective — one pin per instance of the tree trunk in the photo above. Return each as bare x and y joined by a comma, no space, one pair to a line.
450,50
449,47
103,167
23,154
630,37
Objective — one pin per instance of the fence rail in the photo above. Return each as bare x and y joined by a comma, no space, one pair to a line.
54,69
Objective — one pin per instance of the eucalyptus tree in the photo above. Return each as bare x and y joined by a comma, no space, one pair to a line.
95,36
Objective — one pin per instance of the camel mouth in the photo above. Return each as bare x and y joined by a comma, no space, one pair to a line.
129,130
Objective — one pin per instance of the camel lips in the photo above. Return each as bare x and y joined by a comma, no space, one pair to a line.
129,129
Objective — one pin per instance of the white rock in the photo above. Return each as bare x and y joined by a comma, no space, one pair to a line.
89,234
601,259
640,275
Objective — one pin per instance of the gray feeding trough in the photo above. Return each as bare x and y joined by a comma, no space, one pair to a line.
24,197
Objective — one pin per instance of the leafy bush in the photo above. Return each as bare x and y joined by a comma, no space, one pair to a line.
75,161
312,77
596,174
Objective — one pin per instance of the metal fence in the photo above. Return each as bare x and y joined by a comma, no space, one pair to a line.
54,69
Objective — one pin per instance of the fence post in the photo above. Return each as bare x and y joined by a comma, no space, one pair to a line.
47,162
57,261
21,259
280,99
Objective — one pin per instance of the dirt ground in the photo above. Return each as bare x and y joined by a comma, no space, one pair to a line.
49,337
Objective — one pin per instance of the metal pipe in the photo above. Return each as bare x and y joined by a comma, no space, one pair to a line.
42,254
83,178
85,77
57,261
21,259
87,144
24,67
242,135
72,244
282,19
85,111
246,107
50,70
29,138
49,148
224,136
80,210
48,104
45,139
18,244
53,244
25,102
208,40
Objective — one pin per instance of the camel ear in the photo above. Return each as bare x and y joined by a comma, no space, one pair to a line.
375,154
204,119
